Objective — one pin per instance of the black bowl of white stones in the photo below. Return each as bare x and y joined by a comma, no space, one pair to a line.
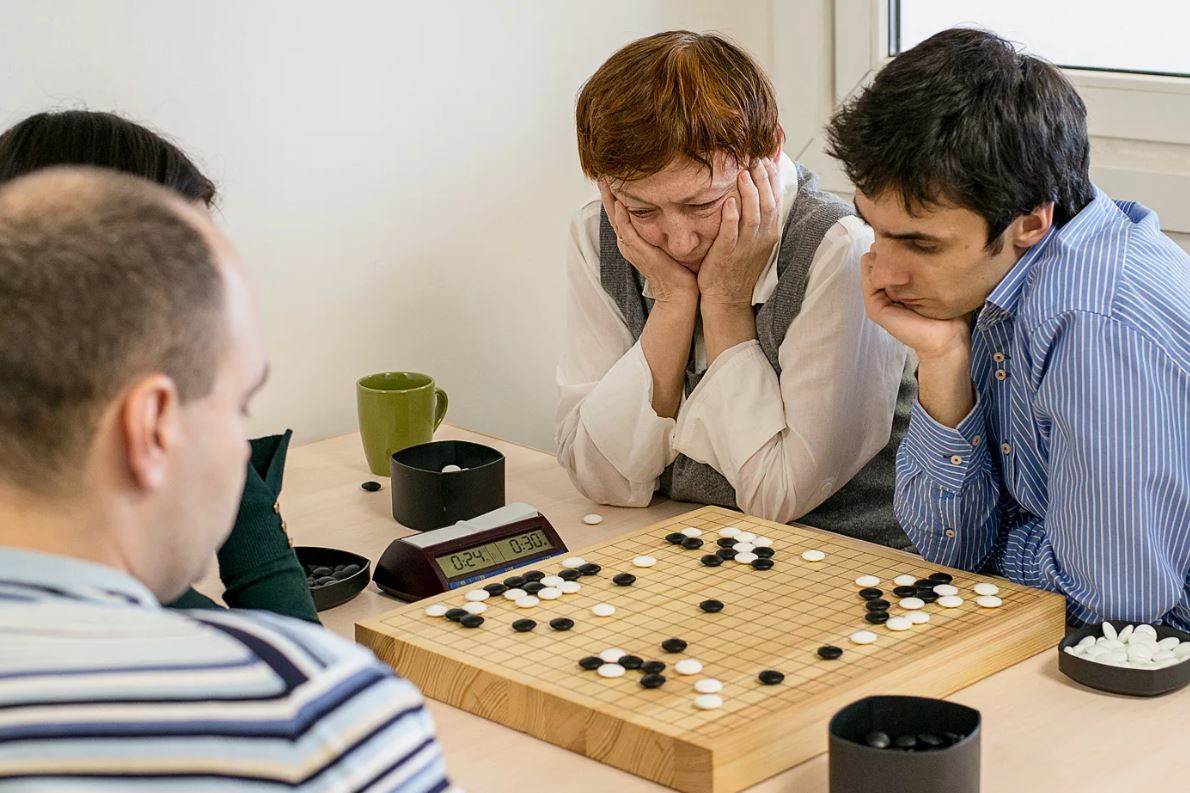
440,483
904,745
334,576
1123,658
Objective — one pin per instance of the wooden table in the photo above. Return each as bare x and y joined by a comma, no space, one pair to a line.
1040,730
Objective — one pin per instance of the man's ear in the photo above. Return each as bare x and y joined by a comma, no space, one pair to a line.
776,153
150,422
1027,230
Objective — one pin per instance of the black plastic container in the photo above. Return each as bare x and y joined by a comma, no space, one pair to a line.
328,596
1118,679
425,497
856,767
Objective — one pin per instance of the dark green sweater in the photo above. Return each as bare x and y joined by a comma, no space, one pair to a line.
258,568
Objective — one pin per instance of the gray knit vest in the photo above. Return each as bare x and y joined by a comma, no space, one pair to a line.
862,508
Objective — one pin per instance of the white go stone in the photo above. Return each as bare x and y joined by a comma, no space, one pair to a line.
898,624
514,594
1168,643
450,469
745,558
474,607
692,531
1126,633
745,536
867,580
569,587
744,547
946,590
1139,652
1109,631
918,617
603,609
763,542
1086,641
986,588
709,685
912,604
813,555
611,670
1182,651
989,602
549,593
612,654
527,602
688,666
592,519
728,531
436,610
864,637
950,601
573,562
708,701
552,580
1146,631
644,561
477,595
904,580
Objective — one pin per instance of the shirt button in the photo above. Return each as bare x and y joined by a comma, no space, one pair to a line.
1001,374
975,441
956,460
284,527
949,534
277,507
1006,448
998,357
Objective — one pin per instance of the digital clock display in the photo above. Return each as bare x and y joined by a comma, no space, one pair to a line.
493,554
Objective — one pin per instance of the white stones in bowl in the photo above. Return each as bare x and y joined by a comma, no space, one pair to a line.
1132,647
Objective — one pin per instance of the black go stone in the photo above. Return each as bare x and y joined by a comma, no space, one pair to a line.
631,661
930,741
870,593
624,579
570,574
471,621
352,569
370,486
309,581
879,604
532,587
653,667
673,645
906,742
829,652
927,595
711,560
877,617
725,542
711,606
495,589
590,662
941,578
652,680
320,571
878,740
726,553
676,538
533,575
906,591
454,615
561,623
326,579
514,582
339,575
590,568
762,564
763,553
524,626
770,677
953,737
691,543
925,583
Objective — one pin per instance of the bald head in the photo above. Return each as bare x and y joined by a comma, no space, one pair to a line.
104,278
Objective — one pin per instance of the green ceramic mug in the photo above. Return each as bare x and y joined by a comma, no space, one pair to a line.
396,410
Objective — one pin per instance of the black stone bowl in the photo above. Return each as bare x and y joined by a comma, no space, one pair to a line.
856,767
1117,679
327,596
425,497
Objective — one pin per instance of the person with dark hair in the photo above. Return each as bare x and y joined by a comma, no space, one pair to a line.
256,564
716,347
1051,325
130,352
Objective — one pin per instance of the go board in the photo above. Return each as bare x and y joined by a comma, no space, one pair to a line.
773,619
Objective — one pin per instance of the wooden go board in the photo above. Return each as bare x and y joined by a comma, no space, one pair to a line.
774,619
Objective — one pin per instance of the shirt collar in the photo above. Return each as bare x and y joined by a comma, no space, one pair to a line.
67,577
766,284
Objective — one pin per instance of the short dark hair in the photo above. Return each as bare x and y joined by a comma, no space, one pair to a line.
85,137
964,118
102,281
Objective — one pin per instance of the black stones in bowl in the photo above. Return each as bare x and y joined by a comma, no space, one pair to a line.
349,574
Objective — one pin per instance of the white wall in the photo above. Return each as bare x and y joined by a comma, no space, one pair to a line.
399,176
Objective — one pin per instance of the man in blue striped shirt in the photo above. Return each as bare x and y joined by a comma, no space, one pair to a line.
1052,327
129,351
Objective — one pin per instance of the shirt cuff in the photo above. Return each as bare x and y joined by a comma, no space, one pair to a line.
948,455
734,411
619,418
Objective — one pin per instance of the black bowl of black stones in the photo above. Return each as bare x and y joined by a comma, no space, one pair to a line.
440,483
1127,658
334,576
908,744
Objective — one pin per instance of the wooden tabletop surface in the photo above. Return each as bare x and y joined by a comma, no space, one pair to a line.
1041,731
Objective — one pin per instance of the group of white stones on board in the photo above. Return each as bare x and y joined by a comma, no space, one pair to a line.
913,594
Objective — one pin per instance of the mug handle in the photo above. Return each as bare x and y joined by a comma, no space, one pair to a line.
440,405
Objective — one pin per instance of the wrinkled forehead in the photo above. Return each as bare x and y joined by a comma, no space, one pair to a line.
683,181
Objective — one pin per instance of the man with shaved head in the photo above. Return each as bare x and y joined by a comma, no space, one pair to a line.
129,352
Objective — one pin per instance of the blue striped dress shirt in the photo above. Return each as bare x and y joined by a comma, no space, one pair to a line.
101,689
1072,472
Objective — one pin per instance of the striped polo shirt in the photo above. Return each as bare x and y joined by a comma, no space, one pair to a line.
1072,472
102,689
